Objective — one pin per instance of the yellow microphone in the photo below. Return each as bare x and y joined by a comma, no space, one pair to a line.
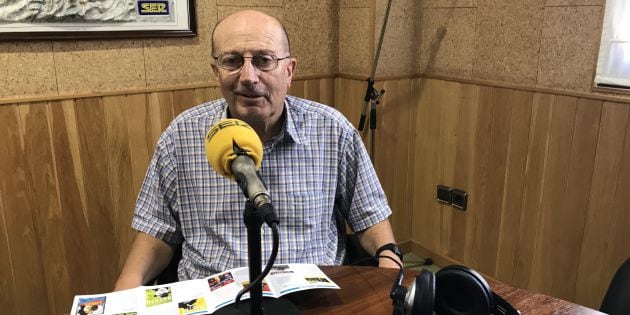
235,151
228,139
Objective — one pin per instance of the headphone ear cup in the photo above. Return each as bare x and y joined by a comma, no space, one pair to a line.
460,290
421,295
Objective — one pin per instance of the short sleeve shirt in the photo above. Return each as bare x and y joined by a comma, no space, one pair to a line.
317,159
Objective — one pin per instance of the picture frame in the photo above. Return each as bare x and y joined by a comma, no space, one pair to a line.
97,19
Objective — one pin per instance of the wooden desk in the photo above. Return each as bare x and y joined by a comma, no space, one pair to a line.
365,290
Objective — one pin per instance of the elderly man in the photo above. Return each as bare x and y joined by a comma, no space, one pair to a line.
313,161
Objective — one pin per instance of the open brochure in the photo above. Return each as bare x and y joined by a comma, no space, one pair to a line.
201,296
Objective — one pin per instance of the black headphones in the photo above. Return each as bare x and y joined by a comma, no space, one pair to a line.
454,290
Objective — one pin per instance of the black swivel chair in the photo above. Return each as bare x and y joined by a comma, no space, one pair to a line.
617,298
169,274
355,254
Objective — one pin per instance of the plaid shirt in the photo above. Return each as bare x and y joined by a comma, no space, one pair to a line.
318,157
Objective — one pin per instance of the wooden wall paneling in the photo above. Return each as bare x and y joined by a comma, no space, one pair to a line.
183,100
461,221
297,88
349,101
312,90
327,91
94,156
480,156
47,215
600,204
138,114
206,94
534,172
163,111
7,281
618,250
384,136
142,137
447,95
80,258
415,97
426,219
120,172
566,228
21,269
514,183
554,185
491,195
401,177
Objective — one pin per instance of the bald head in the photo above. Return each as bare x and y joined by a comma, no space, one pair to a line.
246,21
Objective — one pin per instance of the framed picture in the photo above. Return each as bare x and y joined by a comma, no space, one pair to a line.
74,19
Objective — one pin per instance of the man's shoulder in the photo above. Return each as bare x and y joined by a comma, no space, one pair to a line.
192,121
312,110
210,109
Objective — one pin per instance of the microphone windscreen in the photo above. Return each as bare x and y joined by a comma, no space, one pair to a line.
220,141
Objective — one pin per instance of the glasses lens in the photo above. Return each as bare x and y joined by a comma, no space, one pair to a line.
230,61
265,62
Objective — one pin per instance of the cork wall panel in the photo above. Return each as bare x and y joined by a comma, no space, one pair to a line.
356,3
570,43
355,40
449,3
223,11
313,31
447,42
555,3
98,66
26,68
508,40
182,60
400,49
177,61
249,3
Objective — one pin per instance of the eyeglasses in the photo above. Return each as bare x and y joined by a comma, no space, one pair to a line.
234,62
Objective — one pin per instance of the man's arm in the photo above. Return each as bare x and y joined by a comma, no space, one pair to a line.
376,236
147,258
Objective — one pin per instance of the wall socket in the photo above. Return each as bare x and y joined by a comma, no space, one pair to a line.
444,194
459,199
452,196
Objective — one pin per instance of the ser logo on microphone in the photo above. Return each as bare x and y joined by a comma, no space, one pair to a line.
224,124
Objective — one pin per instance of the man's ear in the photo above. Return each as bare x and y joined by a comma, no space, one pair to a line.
291,67
215,70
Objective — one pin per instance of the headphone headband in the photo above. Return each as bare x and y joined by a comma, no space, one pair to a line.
453,290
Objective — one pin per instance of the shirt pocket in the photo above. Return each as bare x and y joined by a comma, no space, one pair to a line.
301,232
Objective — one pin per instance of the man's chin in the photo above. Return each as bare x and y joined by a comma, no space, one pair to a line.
249,112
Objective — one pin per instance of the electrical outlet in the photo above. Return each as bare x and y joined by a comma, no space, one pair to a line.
459,199
444,194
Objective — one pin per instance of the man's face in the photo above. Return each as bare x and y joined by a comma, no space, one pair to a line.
253,95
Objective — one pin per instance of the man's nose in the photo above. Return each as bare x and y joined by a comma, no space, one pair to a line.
248,71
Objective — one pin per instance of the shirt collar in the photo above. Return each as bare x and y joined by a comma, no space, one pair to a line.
294,122
292,126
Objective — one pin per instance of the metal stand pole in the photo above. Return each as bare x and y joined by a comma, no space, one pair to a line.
371,94
257,306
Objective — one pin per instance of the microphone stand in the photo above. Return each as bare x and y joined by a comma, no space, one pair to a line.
373,96
258,306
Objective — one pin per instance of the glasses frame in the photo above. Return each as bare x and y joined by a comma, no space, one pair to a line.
234,71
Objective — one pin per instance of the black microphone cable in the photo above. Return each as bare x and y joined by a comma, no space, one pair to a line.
272,259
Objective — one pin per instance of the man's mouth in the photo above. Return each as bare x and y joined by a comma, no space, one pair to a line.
249,95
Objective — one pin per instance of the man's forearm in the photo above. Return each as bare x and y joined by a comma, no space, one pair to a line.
147,258
376,236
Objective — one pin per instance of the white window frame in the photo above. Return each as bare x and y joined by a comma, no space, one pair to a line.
613,63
